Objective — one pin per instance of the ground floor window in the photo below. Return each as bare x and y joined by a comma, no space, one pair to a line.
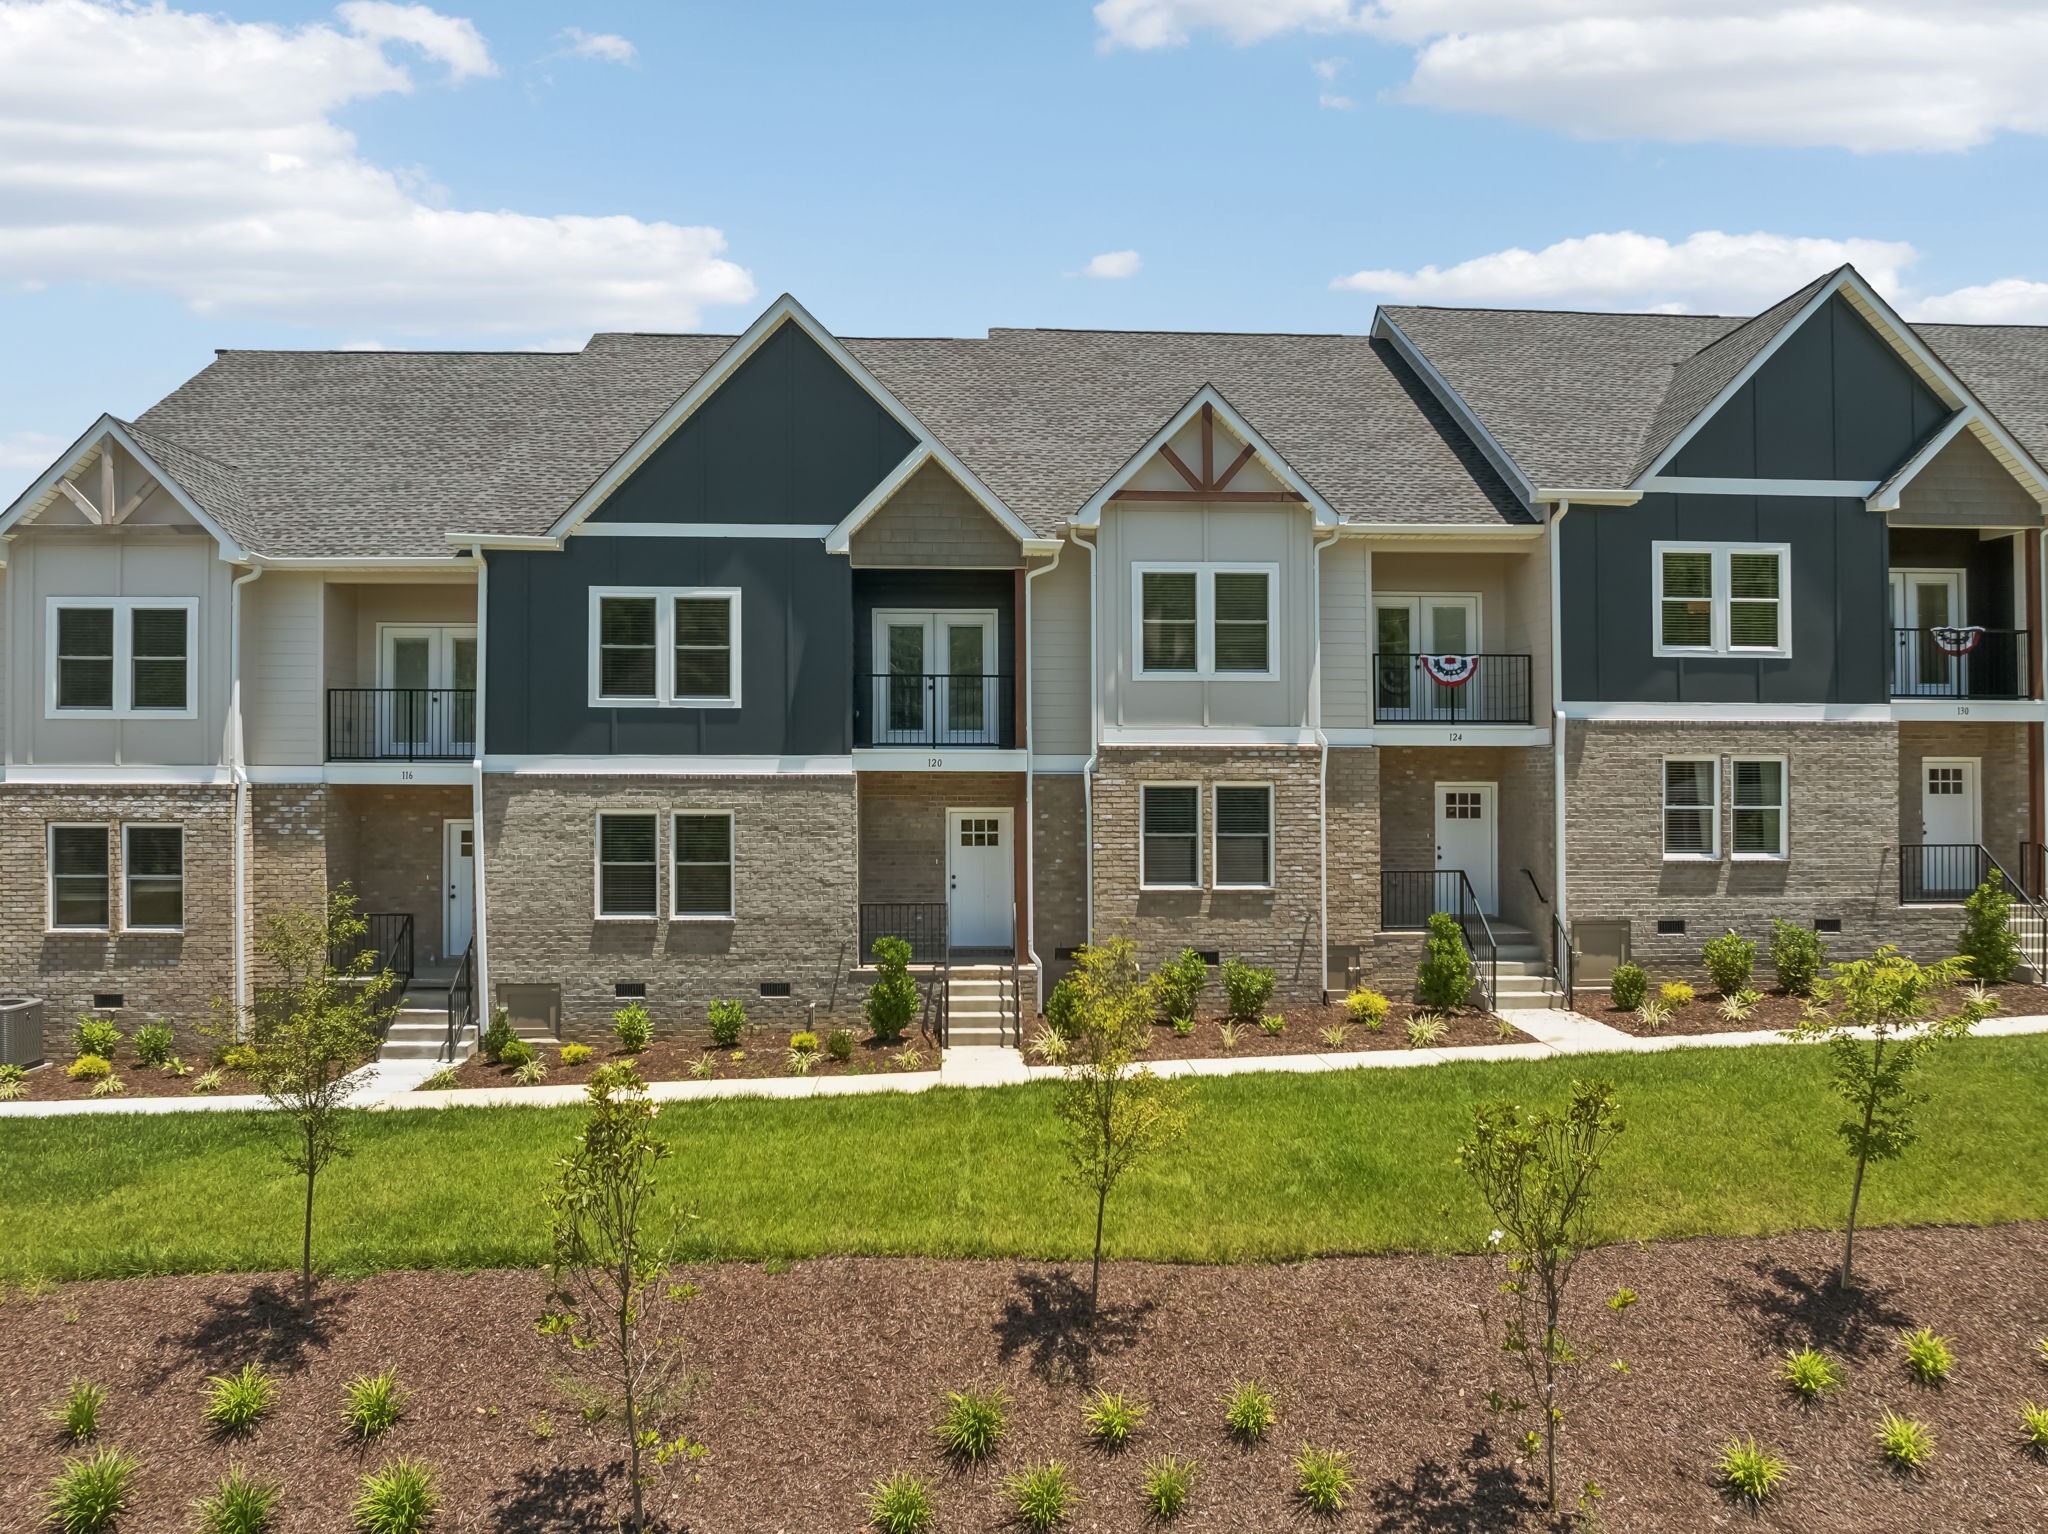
1244,836
1692,799
628,869
79,892
1759,785
1172,855
153,869
703,857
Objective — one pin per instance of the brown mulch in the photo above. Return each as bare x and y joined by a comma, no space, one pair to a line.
1303,1034
760,1052
1777,1011
807,1384
49,1083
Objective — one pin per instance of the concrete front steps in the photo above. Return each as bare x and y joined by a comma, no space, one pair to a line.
984,1011
1526,983
420,1030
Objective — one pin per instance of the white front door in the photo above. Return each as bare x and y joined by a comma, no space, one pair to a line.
428,672
1405,627
935,679
980,879
1465,841
1951,825
1924,600
458,884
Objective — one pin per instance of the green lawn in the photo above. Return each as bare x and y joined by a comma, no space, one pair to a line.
1730,1141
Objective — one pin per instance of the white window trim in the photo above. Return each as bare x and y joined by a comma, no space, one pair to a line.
597,909
732,856
124,657
128,921
1205,573
1783,807
1720,643
665,598
1664,806
1216,833
1144,789
106,829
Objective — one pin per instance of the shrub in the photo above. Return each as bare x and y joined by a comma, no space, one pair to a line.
1063,1008
635,1027
240,1504
153,1043
1249,1410
1797,956
209,1081
531,1074
90,1493
704,1067
1675,993
971,1422
804,1043
1987,939
1179,985
2034,1426
892,1000
908,1058
1739,1005
13,1083
1728,960
576,1054
1367,1008
1049,1047
1748,1469
800,1062
372,1403
1247,988
496,1037
1272,1025
80,1413
1427,1028
517,1053
113,1086
1168,1480
1628,987
1322,1479
1928,1358
399,1499
89,1068
239,1058
95,1036
1444,977
175,1066
1904,1443
1226,1033
1810,1373
236,1402
446,1079
901,1504
1112,1416
1653,1015
1041,1494
1336,1036
1182,1027
839,1044
728,1020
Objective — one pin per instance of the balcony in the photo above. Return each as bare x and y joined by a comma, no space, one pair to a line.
1450,689
917,708
1961,662
401,724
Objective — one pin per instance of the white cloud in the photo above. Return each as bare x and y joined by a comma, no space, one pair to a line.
1327,70
1859,74
31,450
210,167
2008,301
605,47
1113,263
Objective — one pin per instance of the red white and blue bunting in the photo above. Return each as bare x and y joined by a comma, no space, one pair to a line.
1956,641
1450,670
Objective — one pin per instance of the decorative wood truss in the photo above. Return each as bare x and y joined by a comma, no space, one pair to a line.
106,512
1208,485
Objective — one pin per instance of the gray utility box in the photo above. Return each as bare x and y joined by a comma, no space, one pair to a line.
21,1030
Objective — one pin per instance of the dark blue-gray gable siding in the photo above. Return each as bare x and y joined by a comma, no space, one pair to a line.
789,437
1833,402
796,688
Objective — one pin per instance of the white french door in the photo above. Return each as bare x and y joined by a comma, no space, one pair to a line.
935,680
429,674
1924,600
1407,626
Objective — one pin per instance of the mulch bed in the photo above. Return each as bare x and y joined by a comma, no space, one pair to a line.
49,1083
1776,1011
808,1383
760,1052
1303,1034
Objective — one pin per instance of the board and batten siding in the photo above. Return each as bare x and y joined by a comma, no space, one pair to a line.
1347,635
1058,657
283,689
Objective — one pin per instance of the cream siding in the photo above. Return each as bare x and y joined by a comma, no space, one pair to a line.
383,604
1965,486
1058,657
1347,635
283,700
338,620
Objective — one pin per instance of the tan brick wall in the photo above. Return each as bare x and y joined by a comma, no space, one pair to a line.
2001,750
1276,928
291,843
795,891
932,521
1353,796
172,977
903,827
389,850
1059,868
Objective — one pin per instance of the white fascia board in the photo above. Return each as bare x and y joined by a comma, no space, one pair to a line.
670,766
1551,496
424,773
1701,484
1384,328
839,538
1202,735
938,759
1449,735
502,541
95,435
396,564
1720,713
1452,532
1090,514
1975,710
809,532
109,775
1887,496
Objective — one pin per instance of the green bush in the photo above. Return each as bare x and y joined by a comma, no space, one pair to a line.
399,1499
113,1086
1249,1410
1904,1443
1797,956
1062,1008
728,1021
1628,988
839,1044
240,1504
1168,1481
13,1083
1676,993
804,1043
576,1054
1112,1416
971,1423
90,1493
1728,960
517,1054
1987,939
239,1058
892,1000
1444,977
1272,1025
95,1036
89,1068
1810,1373
1322,1479
446,1079
1247,988
80,1413
497,1036
1368,1007
902,1504
1179,985
1041,1494
153,1043
634,1025
1427,1028
2034,1426
235,1403
1928,1358
1748,1469
373,1403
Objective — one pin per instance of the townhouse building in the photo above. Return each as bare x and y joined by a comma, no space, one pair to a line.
686,666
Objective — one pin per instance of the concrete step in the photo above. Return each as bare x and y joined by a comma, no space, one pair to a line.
1534,1001
957,1037
1521,964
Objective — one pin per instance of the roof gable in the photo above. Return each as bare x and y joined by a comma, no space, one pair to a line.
200,489
1212,479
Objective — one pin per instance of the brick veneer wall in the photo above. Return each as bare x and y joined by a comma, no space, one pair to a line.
2002,779
903,827
1059,864
796,893
171,977
1276,928
1355,846
389,851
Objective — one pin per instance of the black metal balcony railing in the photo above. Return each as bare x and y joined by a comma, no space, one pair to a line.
1945,874
910,708
1446,689
1961,663
401,724
1409,896
923,927
388,938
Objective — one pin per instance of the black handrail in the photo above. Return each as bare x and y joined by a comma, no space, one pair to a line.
1562,960
923,708
388,936
462,1018
401,724
2034,869
1944,873
1409,897
1961,663
1541,898
1492,689
922,925
1470,910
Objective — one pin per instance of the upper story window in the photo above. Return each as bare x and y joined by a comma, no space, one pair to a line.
665,647
121,657
1722,598
1204,620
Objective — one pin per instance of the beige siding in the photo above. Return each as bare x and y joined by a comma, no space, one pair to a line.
1347,636
377,605
1525,627
1965,487
6,654
282,690
1059,657
932,521
338,619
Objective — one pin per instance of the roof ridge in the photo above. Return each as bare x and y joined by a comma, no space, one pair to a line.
1618,314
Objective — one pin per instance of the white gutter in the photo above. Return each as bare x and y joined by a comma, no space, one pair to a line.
1094,737
238,772
478,922
1315,723
476,541
1031,791
1557,727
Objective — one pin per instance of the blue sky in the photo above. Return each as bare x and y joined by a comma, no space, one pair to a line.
274,174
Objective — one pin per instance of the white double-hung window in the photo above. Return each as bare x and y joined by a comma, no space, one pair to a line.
1171,827
1692,807
120,657
1757,785
1244,835
1203,621
664,647
1721,598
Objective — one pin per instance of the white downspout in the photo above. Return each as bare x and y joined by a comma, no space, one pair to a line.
1315,723
1030,788
1557,727
238,774
478,922
1094,734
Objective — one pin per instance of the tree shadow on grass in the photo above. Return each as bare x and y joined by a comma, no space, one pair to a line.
1048,1321
1479,1492
263,1325
555,1500
1789,1309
